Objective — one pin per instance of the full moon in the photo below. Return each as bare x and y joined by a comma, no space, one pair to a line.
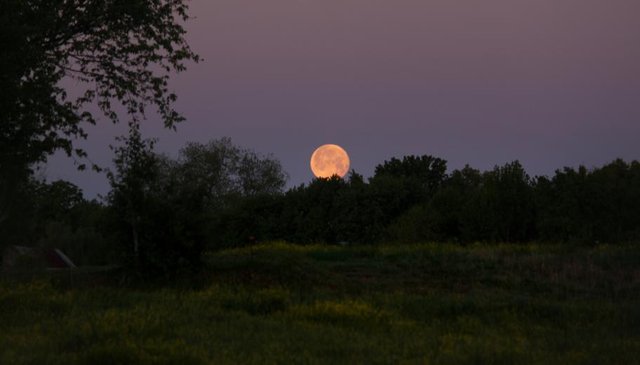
328,160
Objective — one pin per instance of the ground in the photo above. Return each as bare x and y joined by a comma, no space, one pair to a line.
280,303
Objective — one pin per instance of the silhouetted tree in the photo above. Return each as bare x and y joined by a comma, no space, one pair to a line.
56,215
65,220
564,206
361,219
449,216
118,53
19,227
590,205
616,195
169,210
232,183
314,212
507,204
426,172
134,189
57,199
221,171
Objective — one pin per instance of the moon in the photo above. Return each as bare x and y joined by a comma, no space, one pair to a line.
328,160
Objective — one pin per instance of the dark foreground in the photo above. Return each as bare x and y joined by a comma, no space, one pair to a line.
277,303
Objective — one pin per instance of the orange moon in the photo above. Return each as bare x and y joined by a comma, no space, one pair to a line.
328,160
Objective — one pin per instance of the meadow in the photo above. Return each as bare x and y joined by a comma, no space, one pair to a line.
282,303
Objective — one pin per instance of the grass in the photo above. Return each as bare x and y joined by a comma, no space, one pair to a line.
279,303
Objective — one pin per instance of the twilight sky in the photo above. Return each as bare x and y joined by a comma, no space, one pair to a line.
549,82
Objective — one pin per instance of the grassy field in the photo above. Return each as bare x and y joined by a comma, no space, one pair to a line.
278,303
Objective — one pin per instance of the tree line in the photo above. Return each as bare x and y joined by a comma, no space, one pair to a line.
162,213
414,199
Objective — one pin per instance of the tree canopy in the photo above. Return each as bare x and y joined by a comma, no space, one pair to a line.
120,51
118,54
166,209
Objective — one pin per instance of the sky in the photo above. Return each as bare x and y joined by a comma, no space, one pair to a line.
551,83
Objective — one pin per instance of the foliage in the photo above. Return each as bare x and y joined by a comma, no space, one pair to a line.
400,184
121,51
65,220
278,303
56,215
507,204
236,187
166,210
217,195
591,205
117,53
427,171
157,221
328,210
413,200
221,171
18,227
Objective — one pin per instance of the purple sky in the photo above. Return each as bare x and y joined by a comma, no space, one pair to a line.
549,82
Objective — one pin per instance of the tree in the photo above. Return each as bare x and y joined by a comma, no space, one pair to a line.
19,227
507,204
57,198
221,171
168,210
359,216
398,185
119,52
564,203
427,171
134,184
236,187
583,205
448,216
64,220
